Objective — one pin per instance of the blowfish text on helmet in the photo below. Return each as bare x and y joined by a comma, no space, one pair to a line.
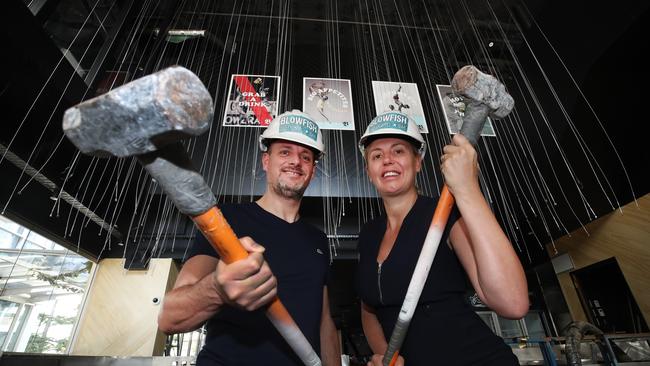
299,124
393,123
389,120
294,126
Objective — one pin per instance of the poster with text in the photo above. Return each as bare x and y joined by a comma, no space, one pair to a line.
252,100
400,97
453,107
328,102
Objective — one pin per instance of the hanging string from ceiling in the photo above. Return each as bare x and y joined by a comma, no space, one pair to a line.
422,43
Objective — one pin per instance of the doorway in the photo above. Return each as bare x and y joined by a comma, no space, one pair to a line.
606,298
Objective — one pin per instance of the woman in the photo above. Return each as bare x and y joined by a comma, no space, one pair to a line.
444,330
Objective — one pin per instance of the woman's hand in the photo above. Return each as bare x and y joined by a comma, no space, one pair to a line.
460,166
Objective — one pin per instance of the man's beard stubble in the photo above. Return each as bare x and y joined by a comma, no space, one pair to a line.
289,192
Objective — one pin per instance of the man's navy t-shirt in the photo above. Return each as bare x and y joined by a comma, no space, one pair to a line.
299,258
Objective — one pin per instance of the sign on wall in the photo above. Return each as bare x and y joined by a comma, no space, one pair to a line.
453,108
252,100
400,97
328,102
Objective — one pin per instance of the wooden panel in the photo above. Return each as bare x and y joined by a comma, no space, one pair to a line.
624,235
159,345
120,317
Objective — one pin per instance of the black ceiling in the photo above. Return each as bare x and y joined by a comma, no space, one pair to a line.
601,46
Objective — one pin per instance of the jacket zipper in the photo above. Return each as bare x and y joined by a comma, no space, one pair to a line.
381,298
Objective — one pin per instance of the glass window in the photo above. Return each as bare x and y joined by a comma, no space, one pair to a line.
19,322
42,288
489,319
8,239
11,234
8,311
631,349
185,344
511,328
10,226
534,326
35,241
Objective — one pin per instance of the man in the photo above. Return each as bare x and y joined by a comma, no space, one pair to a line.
231,298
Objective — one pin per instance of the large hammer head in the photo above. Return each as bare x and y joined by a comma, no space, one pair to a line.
142,115
486,97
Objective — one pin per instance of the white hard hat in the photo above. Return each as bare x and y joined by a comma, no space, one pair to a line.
393,124
294,126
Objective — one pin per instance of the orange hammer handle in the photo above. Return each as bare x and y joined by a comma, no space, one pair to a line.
443,209
216,229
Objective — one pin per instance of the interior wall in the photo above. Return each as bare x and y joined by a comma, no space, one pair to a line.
120,316
624,235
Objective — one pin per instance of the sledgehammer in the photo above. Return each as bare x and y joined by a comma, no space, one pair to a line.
146,118
485,96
